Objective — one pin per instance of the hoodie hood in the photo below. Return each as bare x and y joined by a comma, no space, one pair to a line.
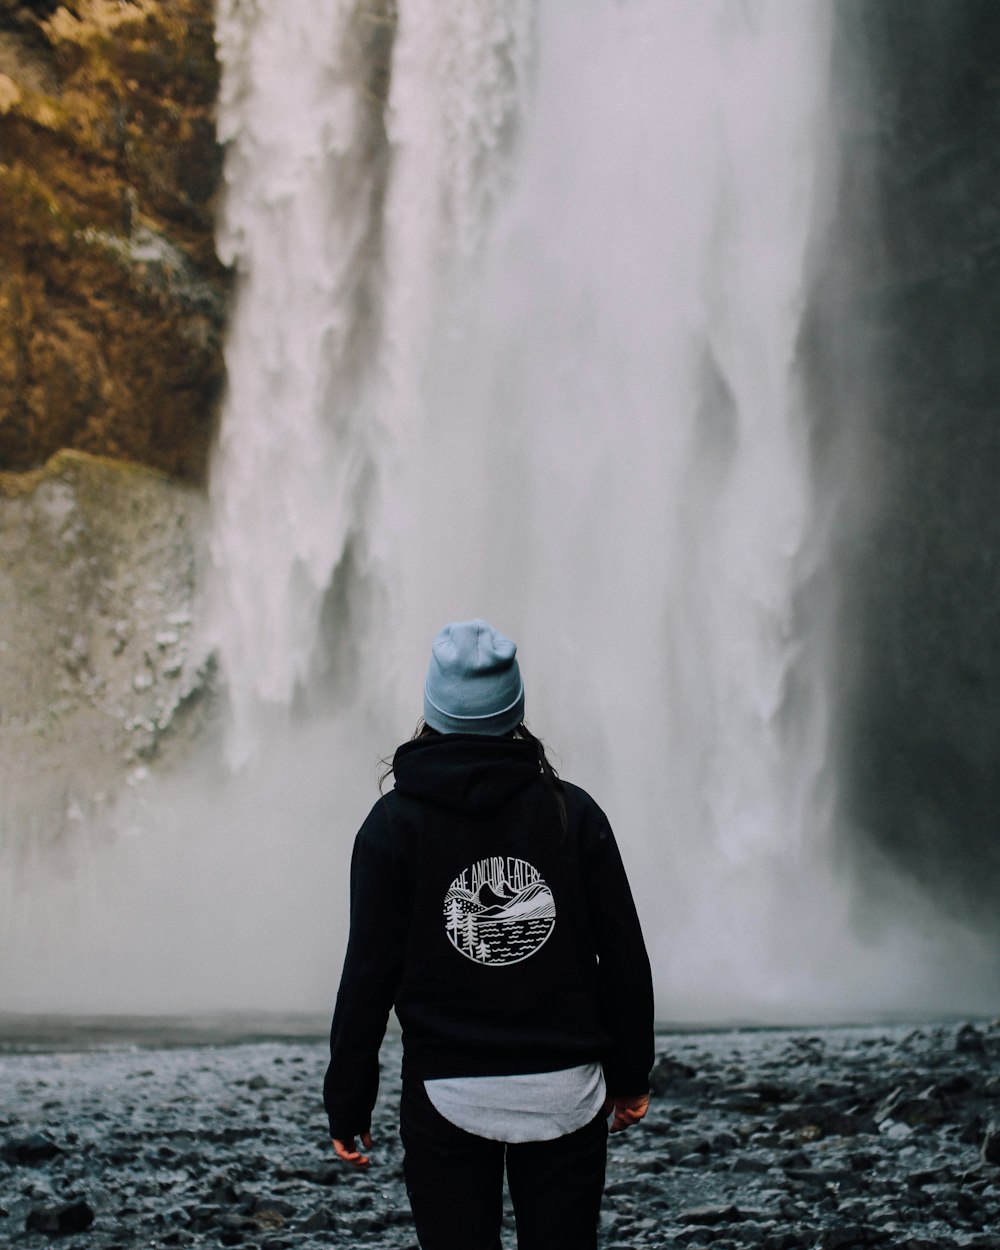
465,772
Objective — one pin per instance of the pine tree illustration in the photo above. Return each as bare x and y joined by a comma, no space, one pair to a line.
454,920
470,931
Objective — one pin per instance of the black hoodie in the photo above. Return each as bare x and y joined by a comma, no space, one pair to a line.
504,934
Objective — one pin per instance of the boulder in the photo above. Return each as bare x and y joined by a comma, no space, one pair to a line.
30,1151
97,560
990,1151
61,1218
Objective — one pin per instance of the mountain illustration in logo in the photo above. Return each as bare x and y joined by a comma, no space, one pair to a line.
499,911
489,898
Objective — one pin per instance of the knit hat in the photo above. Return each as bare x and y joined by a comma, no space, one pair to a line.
473,683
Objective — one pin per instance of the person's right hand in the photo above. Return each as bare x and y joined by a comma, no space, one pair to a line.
627,1111
347,1150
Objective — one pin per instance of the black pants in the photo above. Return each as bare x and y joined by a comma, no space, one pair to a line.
455,1182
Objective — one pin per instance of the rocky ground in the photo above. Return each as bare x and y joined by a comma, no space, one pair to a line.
826,1140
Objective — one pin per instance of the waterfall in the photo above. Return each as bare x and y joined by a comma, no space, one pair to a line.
299,114
517,334
606,453
536,360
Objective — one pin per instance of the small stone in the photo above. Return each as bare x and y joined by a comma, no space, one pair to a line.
258,1082
203,1216
969,1041
316,1221
223,1193
680,1147
67,1217
270,1217
670,1076
326,1174
360,1225
990,1152
745,1100
710,1215
842,1237
749,1163
32,1150
651,1167
624,1187
167,638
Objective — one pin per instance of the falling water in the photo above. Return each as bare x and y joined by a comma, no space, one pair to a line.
304,181
553,383
520,339
605,451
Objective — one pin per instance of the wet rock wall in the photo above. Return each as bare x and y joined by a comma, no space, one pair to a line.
100,670
908,392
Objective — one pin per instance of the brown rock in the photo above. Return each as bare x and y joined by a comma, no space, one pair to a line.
112,301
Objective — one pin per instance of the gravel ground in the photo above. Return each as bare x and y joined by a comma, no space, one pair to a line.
826,1139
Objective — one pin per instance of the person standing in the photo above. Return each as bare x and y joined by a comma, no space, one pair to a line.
490,906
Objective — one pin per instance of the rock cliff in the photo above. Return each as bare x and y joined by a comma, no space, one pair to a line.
916,316
99,670
112,301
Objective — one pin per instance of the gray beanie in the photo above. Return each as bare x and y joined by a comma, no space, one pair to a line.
473,683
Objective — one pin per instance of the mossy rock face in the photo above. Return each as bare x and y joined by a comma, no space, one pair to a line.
112,301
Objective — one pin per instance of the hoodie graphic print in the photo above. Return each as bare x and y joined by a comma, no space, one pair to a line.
499,911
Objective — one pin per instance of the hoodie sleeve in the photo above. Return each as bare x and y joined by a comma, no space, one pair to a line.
625,983
372,968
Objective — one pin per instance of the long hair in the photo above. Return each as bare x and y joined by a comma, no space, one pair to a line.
423,730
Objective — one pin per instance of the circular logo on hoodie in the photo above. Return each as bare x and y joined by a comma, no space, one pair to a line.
499,911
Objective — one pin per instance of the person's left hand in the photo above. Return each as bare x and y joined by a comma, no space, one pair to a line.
349,1152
